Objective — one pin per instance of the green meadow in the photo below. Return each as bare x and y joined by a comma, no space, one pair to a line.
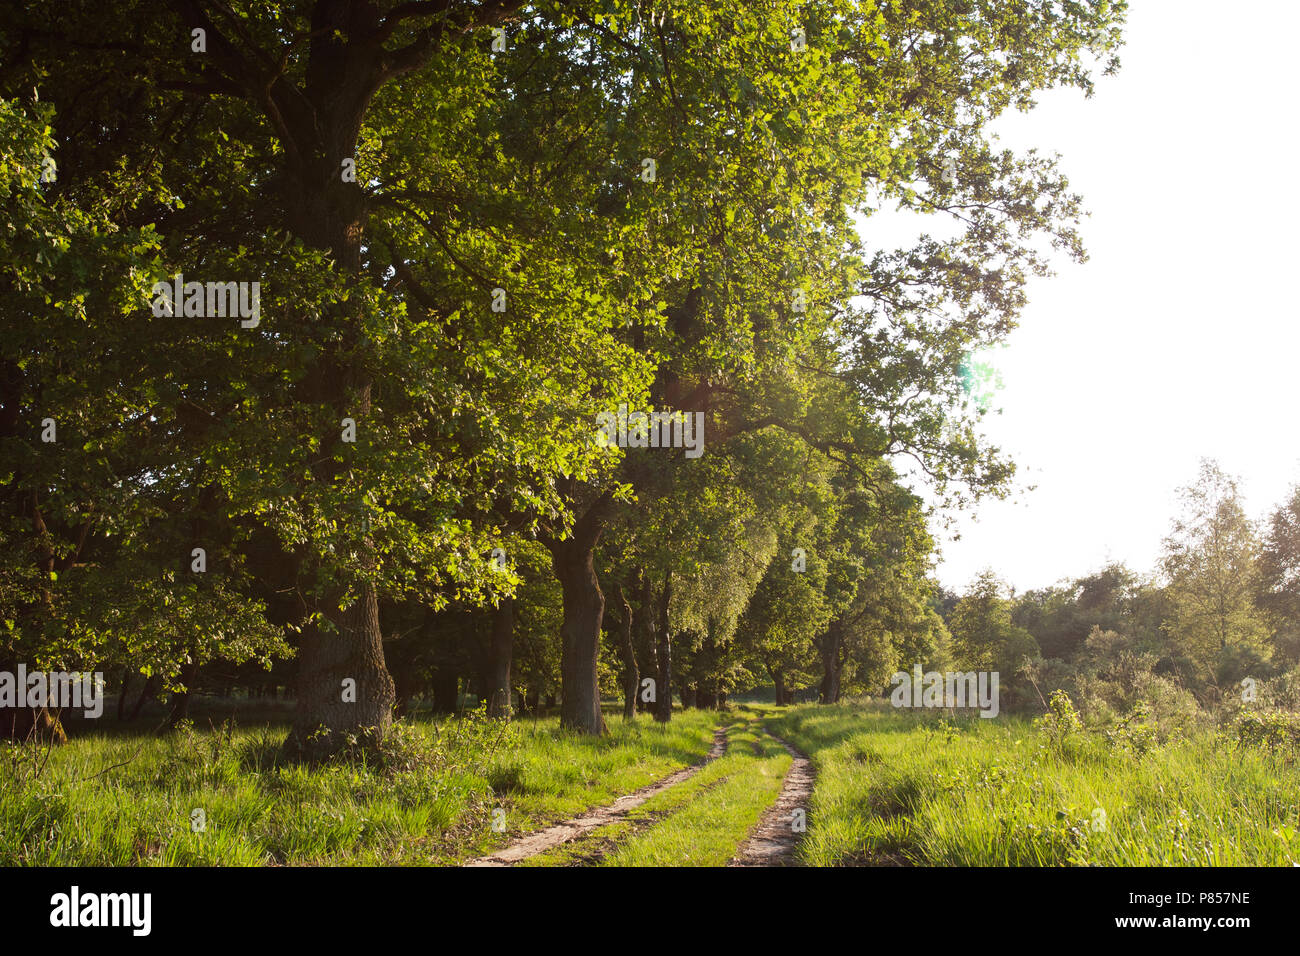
891,789
936,791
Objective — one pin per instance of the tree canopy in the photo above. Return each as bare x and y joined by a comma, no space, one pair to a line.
465,230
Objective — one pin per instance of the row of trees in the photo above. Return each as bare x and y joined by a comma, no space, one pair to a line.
475,227
1223,608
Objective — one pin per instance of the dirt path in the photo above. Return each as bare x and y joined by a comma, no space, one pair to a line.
530,844
773,841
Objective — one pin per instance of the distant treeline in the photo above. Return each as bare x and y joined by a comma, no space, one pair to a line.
1216,625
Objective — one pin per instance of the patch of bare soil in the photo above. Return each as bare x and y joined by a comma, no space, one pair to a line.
774,840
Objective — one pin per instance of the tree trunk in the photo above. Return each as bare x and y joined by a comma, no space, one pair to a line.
180,709
147,691
446,690
831,664
121,694
499,651
573,560
778,680
330,214
838,686
181,700
584,607
643,627
664,656
407,685
36,724
343,685
631,674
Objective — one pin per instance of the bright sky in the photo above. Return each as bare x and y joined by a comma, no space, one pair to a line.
1179,338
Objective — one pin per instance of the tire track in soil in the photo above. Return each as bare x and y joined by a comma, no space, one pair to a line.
773,841
595,848
530,844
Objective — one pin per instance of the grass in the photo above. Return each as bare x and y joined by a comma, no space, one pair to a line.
428,798
900,788
708,828
698,822
555,775
892,787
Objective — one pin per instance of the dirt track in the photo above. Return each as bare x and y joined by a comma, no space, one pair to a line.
774,840
531,844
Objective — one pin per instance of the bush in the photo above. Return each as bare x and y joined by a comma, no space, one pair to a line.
1236,662
1116,679
1136,733
1061,721
1276,731
1282,692
1172,709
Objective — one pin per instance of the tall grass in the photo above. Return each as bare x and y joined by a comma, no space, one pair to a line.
427,797
901,788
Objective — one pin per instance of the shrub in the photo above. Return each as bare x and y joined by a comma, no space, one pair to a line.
1136,733
1282,692
1060,722
1173,709
1272,730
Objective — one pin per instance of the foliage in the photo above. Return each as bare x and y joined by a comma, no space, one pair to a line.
1211,560
1060,723
1276,731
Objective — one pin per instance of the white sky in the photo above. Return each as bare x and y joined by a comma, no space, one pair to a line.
1179,338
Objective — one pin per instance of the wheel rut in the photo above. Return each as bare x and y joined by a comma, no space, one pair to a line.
530,844
774,841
